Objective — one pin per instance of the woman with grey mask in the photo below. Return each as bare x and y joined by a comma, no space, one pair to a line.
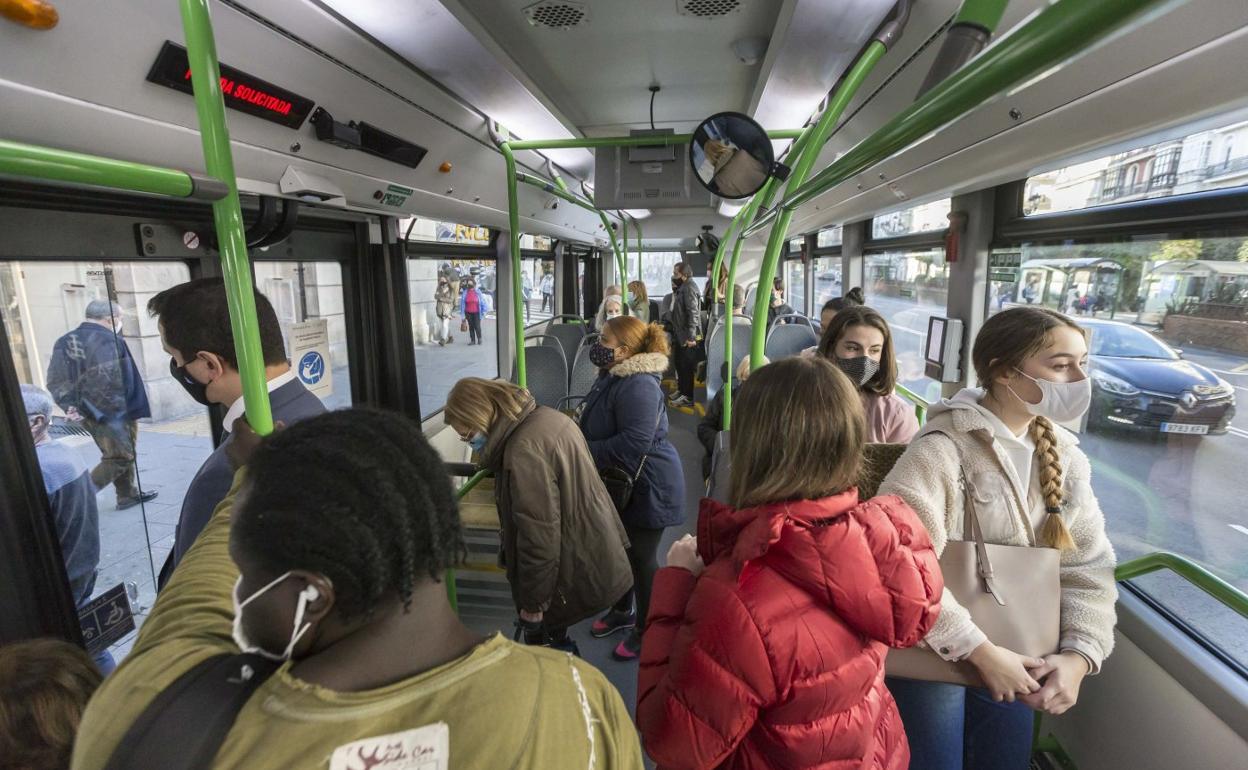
858,341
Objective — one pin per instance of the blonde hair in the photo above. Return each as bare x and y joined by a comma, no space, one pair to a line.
637,336
477,403
819,413
1004,343
46,685
743,368
637,290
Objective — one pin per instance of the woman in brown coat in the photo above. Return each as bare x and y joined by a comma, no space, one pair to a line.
563,544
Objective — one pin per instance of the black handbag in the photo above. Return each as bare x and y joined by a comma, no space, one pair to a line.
619,482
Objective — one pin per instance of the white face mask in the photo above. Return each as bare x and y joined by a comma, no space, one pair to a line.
300,628
1059,401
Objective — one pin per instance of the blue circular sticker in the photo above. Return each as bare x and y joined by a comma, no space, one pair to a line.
311,368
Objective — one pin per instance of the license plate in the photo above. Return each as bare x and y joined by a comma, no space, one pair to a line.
1178,427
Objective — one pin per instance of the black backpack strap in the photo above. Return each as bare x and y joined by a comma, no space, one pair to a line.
184,727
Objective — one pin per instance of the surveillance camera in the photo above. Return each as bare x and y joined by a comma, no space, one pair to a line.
750,50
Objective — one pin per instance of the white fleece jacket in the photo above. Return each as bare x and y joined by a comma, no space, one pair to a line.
927,477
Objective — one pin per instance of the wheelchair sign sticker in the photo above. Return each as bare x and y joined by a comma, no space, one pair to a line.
309,352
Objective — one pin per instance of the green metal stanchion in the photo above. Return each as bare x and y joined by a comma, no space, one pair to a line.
201,51
34,162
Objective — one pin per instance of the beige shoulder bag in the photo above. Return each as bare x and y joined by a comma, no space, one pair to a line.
1012,592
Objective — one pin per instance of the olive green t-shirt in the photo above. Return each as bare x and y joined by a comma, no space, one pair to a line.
503,705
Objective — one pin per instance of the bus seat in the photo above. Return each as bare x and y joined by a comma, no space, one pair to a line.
570,337
721,468
786,340
546,368
715,352
584,373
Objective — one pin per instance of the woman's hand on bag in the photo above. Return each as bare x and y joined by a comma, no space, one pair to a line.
1062,674
684,554
1005,672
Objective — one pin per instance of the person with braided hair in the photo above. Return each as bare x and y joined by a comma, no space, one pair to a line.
1031,487
328,556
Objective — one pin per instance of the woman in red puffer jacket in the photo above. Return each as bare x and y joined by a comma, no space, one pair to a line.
766,638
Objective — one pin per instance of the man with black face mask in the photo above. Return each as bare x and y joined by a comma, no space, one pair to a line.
194,322
686,325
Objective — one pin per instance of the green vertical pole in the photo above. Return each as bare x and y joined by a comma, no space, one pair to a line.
719,261
621,260
805,161
637,227
761,199
513,224
201,51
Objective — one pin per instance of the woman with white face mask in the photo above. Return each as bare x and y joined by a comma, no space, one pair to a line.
860,343
1030,486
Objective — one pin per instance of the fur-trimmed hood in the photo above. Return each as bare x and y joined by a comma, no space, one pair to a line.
642,363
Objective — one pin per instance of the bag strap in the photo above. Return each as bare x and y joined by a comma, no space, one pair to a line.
970,526
184,726
658,420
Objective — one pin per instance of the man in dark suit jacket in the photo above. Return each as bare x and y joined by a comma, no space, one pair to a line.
93,377
194,320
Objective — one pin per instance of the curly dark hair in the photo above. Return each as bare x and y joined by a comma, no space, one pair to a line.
356,495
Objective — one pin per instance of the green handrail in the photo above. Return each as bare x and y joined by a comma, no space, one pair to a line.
982,13
1190,571
201,51
35,162
920,405
452,590
719,261
820,132
593,142
622,266
1055,34
517,295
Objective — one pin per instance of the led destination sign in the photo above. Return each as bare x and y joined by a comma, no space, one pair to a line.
242,92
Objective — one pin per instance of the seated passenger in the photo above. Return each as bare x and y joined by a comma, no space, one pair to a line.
1031,363
71,495
830,308
343,527
625,425
712,423
778,307
859,342
767,634
44,687
612,306
195,330
562,542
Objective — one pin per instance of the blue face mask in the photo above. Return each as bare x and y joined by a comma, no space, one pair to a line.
478,442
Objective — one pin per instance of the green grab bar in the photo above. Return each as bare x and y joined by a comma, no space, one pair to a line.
806,158
561,194
718,262
35,162
621,262
517,294
920,405
1190,571
1057,33
637,228
664,140
982,13
227,215
452,590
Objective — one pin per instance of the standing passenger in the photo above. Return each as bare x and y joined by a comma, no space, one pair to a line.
686,327
625,423
639,301
548,291
768,632
328,557
1033,488
94,379
563,544
472,305
194,323
859,342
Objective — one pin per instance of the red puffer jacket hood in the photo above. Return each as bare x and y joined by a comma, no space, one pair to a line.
848,556
774,655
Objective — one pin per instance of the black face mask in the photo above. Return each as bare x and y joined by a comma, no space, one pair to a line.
859,369
193,387
676,282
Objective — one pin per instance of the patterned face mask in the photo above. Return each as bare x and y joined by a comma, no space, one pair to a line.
859,369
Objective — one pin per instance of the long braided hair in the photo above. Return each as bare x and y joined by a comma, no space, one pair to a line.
1004,342
356,495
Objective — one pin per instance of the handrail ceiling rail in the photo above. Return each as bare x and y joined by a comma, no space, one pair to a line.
1057,33
1219,589
34,162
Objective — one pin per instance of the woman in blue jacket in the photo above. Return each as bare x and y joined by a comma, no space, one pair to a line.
625,424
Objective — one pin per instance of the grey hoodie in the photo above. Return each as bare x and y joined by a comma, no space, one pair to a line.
958,435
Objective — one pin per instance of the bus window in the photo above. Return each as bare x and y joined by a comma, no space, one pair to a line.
907,288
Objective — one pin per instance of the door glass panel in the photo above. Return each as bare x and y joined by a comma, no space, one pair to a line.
117,416
795,285
444,353
1167,435
538,289
907,288
308,299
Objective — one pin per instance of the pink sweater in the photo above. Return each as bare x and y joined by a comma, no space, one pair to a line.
890,419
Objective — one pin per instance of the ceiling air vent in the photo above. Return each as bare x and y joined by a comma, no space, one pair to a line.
708,9
557,14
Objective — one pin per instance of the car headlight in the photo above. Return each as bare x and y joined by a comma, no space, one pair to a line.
1115,385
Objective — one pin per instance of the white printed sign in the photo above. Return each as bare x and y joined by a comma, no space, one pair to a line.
309,354
425,748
